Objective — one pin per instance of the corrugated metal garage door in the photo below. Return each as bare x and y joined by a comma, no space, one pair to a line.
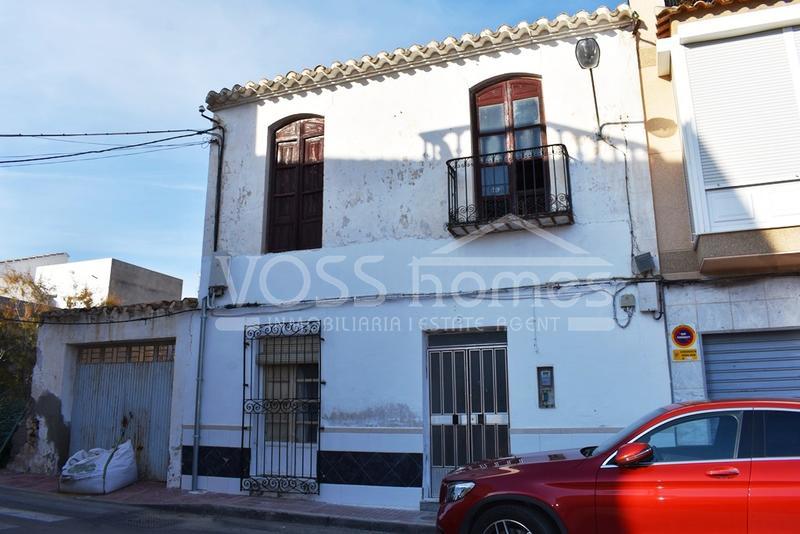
124,391
755,364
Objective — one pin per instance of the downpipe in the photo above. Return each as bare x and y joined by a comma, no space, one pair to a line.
198,394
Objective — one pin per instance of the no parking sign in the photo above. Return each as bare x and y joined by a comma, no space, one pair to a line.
684,338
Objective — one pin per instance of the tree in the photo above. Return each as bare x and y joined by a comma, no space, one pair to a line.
19,316
20,311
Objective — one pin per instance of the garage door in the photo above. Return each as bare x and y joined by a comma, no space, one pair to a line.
756,364
124,391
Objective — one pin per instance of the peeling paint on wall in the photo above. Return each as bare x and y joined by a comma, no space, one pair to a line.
393,415
46,444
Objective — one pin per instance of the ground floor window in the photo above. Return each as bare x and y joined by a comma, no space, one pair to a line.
282,407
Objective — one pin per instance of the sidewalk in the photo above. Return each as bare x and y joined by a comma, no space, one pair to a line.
154,494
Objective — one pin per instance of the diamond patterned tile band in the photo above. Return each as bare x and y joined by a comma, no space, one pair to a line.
402,470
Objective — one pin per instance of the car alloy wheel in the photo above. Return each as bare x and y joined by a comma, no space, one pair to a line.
506,526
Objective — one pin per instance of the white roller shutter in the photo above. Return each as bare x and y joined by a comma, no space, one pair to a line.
745,96
746,109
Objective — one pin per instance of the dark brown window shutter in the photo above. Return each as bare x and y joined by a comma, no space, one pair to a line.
295,188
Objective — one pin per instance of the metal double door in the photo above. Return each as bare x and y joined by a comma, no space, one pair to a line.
469,407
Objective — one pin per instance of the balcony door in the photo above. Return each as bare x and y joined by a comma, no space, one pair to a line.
508,136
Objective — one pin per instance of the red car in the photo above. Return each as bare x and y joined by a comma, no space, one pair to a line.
721,466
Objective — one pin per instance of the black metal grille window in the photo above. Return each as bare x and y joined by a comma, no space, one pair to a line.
281,407
505,188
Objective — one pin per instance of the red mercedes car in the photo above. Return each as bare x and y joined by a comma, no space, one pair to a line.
720,466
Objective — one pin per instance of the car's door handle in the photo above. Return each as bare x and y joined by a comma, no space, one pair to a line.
724,472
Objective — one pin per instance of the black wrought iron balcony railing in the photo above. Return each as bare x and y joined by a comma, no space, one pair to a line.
504,189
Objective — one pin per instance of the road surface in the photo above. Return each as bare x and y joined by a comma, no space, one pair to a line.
28,513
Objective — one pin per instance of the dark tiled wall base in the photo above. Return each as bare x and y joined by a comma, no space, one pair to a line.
217,461
402,470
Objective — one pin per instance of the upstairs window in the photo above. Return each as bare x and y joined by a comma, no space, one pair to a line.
508,135
512,172
295,187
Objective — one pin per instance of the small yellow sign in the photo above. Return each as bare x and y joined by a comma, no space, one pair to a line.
685,355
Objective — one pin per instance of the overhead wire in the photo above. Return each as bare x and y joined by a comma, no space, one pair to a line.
102,134
161,148
103,150
106,144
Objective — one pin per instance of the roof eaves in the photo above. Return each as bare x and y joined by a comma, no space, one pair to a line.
665,17
166,307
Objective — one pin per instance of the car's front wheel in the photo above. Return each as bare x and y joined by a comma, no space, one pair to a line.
510,519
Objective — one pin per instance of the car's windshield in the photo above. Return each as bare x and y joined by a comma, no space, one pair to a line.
606,445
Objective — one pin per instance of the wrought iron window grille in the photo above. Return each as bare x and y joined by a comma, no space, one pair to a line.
281,407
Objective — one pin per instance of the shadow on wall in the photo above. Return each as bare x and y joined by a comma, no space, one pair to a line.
41,444
372,199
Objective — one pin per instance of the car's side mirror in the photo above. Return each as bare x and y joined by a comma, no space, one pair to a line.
631,454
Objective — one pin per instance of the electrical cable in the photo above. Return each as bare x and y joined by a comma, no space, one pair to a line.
100,134
170,147
103,150
105,144
556,292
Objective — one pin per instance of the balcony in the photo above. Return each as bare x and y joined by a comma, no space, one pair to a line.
508,190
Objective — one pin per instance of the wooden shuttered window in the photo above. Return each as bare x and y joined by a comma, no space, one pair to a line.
295,188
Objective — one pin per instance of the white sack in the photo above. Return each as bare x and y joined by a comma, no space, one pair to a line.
99,470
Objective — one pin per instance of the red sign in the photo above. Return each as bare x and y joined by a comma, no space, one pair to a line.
683,335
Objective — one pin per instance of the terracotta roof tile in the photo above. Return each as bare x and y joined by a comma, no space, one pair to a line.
164,307
665,17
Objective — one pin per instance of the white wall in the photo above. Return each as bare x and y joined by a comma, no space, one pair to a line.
69,279
27,266
387,140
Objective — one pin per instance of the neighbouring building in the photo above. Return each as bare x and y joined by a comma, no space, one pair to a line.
105,375
427,257
106,279
721,90
26,267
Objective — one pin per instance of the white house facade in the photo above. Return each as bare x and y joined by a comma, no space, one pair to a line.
422,259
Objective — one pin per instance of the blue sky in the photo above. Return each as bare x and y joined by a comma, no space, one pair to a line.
110,66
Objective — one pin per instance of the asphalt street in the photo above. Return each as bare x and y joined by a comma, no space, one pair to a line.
30,512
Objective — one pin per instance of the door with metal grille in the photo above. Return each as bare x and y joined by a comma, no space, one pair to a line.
124,391
281,407
469,407
752,364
